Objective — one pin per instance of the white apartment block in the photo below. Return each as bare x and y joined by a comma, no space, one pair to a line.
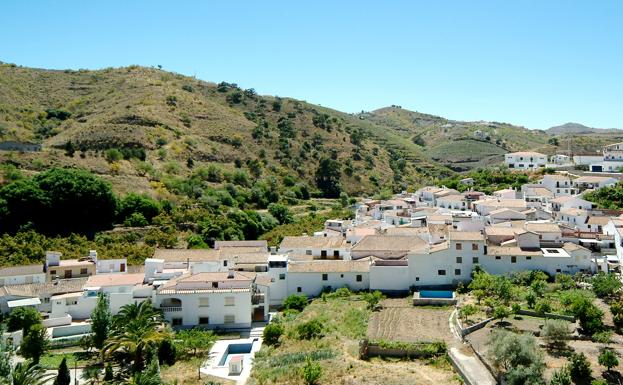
525,160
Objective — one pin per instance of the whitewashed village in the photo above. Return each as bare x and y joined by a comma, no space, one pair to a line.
426,246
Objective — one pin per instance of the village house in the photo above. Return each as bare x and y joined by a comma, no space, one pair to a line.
593,182
313,277
525,160
558,184
318,247
17,275
570,202
212,300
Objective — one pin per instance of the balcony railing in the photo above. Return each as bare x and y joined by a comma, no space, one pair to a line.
170,309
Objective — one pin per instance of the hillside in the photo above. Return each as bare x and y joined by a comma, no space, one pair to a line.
459,145
580,129
167,124
142,127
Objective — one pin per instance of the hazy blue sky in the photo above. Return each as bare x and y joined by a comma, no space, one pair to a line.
534,63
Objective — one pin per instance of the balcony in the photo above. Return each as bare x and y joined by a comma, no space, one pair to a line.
257,298
170,309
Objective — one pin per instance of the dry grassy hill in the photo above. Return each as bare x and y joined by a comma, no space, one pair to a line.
166,124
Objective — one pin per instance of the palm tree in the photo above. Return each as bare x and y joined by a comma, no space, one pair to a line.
135,328
27,373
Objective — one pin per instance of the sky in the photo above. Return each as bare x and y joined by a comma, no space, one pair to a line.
531,63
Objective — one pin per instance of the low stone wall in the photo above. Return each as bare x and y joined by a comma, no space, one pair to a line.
532,313
420,350
71,330
58,321
473,328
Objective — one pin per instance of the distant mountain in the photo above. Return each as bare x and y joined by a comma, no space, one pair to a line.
580,129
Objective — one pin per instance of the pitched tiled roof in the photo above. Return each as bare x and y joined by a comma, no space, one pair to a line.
311,242
465,236
21,270
121,279
337,266
389,243
38,289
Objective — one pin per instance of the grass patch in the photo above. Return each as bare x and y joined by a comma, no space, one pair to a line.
81,359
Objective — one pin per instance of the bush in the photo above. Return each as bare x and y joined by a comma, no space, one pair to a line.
309,330
579,367
589,315
272,333
311,372
135,220
373,299
605,285
295,302
167,352
556,333
561,377
608,359
543,307
517,357
113,155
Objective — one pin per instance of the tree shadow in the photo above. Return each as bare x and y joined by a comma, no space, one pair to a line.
559,351
612,377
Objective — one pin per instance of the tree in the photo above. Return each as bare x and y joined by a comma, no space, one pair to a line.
28,373
137,203
194,339
295,302
311,372
604,285
467,310
608,359
272,333
556,333
135,329
108,373
517,357
149,376
35,343
616,308
565,281
59,201
373,299
101,319
91,375
23,318
561,377
530,299
63,377
6,355
69,149
589,315
500,312
167,352
543,307
281,213
328,178
579,367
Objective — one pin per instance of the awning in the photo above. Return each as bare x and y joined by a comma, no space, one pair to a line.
24,302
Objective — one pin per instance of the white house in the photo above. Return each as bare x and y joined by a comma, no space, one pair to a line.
318,247
121,290
504,215
593,182
558,184
211,300
312,277
568,202
485,206
453,201
507,193
18,275
612,159
525,160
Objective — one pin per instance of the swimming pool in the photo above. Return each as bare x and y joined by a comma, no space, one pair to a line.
436,294
236,348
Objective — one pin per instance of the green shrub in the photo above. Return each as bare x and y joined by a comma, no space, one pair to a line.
272,333
579,367
608,359
295,302
311,372
309,330
113,155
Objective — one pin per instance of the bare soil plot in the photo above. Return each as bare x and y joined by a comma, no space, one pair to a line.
554,359
401,321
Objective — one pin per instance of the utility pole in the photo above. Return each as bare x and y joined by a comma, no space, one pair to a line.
76,372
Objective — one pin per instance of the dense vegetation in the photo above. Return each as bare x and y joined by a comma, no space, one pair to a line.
487,180
607,197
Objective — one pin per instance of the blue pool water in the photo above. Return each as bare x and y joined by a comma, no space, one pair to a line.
436,294
233,349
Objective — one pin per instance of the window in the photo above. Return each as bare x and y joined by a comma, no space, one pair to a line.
441,272
230,301
225,263
122,267
341,275
359,278
204,302
513,259
528,258
46,300
474,247
282,276
176,321
459,259
325,277
498,257
68,274
323,254
558,270
475,260
308,252
83,271
298,289
214,285
457,271
417,279
52,272
204,320
230,319
459,246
